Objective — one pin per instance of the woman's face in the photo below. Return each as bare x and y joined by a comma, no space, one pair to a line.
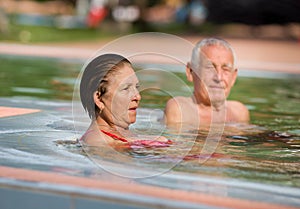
121,98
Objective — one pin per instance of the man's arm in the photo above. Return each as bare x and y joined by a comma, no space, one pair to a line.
172,112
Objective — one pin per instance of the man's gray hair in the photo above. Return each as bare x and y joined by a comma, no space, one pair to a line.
195,60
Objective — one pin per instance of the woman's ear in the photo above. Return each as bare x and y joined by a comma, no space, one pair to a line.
189,72
97,100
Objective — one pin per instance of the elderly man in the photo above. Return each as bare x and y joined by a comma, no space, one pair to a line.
213,74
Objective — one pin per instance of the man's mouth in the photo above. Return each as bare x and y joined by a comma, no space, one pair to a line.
216,87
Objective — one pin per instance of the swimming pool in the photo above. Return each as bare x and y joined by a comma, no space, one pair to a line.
257,162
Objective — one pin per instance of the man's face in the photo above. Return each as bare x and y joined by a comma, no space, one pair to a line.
216,75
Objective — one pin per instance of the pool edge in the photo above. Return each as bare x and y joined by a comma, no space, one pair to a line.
132,188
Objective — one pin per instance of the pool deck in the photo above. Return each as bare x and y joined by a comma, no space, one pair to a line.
13,111
268,55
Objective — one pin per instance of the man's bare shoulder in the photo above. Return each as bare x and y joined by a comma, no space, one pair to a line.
239,110
179,100
174,109
175,103
236,104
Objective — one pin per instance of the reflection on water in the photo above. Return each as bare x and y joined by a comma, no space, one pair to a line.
267,157
264,157
40,78
267,151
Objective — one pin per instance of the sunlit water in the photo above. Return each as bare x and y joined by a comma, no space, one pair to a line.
267,151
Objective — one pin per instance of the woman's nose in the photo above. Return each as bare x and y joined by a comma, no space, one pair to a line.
137,96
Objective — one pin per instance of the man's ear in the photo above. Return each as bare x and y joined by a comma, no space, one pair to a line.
97,100
189,72
234,76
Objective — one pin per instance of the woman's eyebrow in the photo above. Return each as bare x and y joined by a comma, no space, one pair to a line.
128,85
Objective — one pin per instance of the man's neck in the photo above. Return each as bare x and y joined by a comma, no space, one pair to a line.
219,106
215,112
205,104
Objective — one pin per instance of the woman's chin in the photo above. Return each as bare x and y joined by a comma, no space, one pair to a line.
132,120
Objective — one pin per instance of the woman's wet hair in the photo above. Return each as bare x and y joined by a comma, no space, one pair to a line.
95,79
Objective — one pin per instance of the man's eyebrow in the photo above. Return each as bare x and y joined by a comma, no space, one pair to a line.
207,61
228,65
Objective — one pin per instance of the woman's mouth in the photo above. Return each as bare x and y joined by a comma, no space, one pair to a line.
133,108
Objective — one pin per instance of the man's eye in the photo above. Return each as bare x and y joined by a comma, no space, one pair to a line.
138,86
226,69
210,67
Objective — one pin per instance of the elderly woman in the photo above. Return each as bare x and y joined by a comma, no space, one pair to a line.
109,93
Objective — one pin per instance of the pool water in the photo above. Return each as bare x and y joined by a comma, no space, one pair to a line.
266,152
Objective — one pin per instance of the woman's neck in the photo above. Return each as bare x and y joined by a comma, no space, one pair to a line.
112,130
103,124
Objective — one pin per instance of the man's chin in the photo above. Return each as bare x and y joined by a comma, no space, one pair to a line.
217,97
217,101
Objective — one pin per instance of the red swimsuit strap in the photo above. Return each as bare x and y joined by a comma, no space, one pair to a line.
114,136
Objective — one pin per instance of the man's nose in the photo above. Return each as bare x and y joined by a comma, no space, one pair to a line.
219,73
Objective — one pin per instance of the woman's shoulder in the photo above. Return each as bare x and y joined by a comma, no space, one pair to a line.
92,136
